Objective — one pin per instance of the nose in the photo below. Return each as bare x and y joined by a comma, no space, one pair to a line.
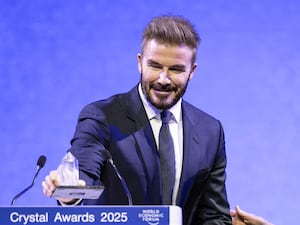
164,77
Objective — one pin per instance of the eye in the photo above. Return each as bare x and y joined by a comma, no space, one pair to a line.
177,69
154,65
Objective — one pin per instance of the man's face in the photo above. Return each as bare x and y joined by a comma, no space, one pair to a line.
165,72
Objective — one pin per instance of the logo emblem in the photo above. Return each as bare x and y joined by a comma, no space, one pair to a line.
151,216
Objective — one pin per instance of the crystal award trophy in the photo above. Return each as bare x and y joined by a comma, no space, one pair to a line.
68,178
68,174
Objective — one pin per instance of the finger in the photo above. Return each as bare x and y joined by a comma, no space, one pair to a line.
46,190
243,213
249,218
54,177
50,183
232,213
239,217
81,183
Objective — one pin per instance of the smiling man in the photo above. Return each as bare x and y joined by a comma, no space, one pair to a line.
167,150
165,72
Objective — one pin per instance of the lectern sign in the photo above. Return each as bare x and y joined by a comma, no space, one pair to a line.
148,215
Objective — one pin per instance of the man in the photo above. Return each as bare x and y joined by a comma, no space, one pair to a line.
128,126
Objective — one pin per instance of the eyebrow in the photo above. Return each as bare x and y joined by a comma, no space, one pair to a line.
176,66
152,62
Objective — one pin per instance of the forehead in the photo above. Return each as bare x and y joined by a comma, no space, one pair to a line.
166,53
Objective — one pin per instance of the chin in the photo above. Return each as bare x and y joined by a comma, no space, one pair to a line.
163,104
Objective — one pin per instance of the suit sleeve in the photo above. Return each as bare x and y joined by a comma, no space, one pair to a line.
89,142
213,207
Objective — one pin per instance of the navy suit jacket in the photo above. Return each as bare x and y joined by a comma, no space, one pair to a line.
120,125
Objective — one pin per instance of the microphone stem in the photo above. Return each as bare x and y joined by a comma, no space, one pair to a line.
122,181
26,189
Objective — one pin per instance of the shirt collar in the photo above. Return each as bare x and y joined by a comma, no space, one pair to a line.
153,112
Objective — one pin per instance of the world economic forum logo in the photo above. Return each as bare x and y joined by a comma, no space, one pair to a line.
151,216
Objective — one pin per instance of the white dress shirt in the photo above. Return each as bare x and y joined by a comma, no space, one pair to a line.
176,130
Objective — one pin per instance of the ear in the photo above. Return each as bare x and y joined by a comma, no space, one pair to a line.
139,61
192,71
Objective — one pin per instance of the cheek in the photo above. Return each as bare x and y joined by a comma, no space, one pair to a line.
149,76
180,81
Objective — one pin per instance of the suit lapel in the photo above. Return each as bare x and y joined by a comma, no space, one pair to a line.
190,143
145,142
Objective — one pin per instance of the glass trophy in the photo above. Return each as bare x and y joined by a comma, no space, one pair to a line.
68,174
68,177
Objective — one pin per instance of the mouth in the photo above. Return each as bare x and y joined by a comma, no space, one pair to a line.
163,92
160,88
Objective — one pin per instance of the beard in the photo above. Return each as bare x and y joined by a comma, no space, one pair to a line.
161,101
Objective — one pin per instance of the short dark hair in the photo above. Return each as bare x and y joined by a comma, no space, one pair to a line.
173,30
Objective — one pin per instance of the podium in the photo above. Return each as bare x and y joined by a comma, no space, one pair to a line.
110,215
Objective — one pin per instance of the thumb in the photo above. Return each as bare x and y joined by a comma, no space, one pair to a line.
241,212
232,213
81,183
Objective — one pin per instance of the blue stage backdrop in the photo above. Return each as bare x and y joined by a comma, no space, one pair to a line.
57,56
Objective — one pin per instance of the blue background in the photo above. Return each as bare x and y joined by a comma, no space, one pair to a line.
57,56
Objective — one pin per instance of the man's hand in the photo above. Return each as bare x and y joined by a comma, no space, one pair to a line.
240,217
51,182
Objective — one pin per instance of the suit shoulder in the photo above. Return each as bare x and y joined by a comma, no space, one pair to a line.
112,103
199,118
193,110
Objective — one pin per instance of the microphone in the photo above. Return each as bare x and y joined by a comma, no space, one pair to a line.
110,160
40,164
